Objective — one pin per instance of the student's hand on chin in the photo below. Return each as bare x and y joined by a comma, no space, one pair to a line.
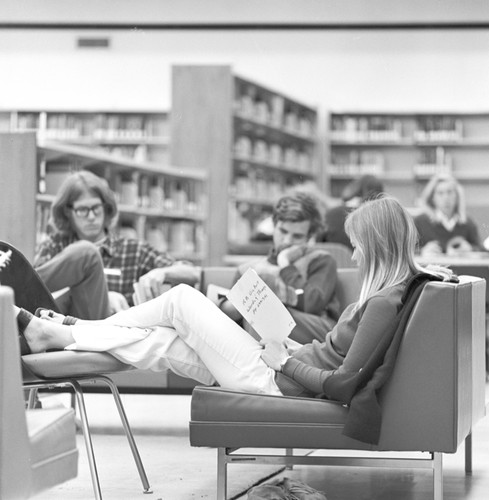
290,254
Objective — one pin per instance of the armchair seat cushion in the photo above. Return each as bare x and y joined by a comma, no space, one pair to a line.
224,418
69,364
53,452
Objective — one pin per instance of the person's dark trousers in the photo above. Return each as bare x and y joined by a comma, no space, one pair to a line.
80,267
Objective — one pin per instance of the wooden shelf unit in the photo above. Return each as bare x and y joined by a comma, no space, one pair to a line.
255,142
405,149
158,202
18,185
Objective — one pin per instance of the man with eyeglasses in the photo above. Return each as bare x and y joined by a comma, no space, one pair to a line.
83,255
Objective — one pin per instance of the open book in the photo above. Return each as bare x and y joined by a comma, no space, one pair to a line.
263,310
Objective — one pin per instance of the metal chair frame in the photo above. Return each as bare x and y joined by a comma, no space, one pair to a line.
434,462
75,385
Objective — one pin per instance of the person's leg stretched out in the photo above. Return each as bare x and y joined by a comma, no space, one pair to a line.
181,330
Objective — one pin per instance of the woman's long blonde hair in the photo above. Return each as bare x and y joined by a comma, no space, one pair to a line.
384,236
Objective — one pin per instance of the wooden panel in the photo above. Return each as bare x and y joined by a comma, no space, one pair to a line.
201,137
18,185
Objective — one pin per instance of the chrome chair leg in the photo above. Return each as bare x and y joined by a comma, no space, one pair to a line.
80,400
222,486
468,454
289,452
125,423
32,399
437,476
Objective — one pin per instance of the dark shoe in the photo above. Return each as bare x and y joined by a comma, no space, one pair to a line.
23,319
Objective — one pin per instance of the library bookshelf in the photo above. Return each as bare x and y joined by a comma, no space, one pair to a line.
163,204
255,142
405,149
142,136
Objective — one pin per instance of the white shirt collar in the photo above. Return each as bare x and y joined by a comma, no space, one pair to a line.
449,224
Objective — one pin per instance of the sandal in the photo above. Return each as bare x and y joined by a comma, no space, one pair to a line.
67,320
23,319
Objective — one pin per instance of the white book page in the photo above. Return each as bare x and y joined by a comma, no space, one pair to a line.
263,310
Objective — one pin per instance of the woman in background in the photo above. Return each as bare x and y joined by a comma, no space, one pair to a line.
444,226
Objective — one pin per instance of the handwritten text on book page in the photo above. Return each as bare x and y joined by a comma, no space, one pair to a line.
263,310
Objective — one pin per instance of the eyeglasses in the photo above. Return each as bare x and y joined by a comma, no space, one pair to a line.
83,212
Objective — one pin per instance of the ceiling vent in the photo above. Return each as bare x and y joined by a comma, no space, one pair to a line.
93,43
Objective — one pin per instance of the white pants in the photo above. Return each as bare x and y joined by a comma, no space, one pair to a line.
185,332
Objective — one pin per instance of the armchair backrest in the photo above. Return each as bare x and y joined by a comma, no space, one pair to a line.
436,391
217,275
341,253
14,441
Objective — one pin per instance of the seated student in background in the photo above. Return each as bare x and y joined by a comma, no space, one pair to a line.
359,190
82,243
303,277
443,226
185,332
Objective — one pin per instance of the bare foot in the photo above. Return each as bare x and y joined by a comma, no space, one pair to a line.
42,335
36,336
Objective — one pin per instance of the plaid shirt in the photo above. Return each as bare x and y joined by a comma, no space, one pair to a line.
125,260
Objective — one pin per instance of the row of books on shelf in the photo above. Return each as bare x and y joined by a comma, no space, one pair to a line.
434,156
272,110
419,169
390,129
139,153
430,169
164,194
140,190
345,162
64,126
365,128
274,154
256,188
240,225
353,170
357,157
179,238
258,185
438,128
